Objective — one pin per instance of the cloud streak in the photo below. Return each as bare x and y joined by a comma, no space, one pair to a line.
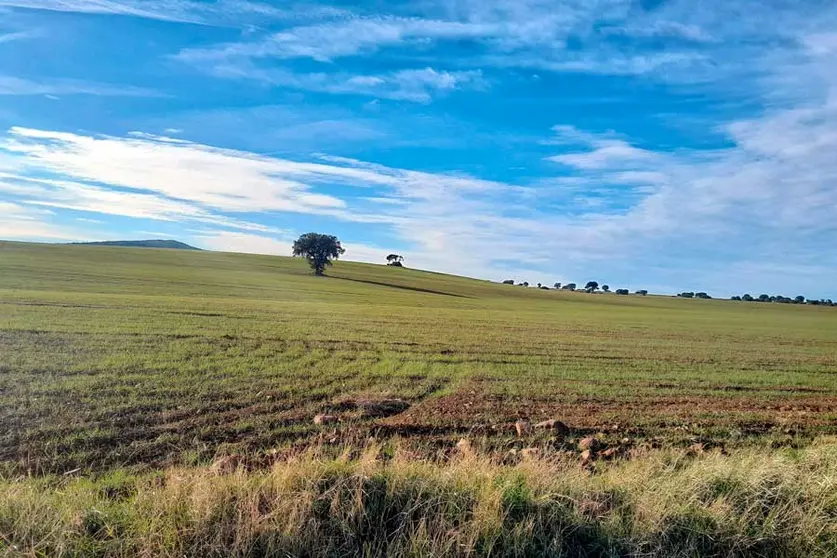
10,85
210,12
414,85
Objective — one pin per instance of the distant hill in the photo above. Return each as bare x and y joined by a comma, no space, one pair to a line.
172,244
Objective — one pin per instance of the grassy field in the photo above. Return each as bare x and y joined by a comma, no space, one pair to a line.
131,363
117,356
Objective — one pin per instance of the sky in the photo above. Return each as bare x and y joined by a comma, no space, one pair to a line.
666,145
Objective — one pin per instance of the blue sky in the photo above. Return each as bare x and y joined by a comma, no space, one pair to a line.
666,145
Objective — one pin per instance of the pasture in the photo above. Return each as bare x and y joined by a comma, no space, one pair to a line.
145,358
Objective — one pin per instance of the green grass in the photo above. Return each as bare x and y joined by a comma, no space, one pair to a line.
139,357
125,372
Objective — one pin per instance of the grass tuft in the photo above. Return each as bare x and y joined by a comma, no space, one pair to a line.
750,503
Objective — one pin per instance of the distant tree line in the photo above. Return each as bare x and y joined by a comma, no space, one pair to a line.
779,299
589,287
593,287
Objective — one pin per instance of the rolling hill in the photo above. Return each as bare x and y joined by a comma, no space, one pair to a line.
154,243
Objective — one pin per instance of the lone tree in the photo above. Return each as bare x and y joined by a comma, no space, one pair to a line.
591,286
319,250
395,260
606,288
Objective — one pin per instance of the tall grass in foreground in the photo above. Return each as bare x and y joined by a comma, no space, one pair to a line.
752,503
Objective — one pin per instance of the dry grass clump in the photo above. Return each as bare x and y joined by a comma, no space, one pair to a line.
750,503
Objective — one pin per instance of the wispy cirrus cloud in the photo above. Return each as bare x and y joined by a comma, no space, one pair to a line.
32,223
415,85
496,33
10,85
17,36
603,152
209,12
328,41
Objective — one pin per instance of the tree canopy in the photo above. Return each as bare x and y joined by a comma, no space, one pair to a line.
319,250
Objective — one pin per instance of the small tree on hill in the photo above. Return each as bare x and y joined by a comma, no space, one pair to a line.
557,285
591,286
606,288
395,260
319,250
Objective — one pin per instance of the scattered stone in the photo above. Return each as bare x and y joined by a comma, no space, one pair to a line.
321,420
588,443
608,453
555,426
523,427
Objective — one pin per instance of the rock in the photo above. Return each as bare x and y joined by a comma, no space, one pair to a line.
321,420
608,453
226,465
588,443
523,427
464,446
555,426
530,452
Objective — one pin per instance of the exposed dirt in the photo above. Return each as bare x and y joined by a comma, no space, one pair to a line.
472,407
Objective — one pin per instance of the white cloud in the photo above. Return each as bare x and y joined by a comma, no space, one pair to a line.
327,41
10,85
415,85
27,223
209,12
605,151
17,36
523,34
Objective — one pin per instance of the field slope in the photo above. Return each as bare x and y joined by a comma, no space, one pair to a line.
142,357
